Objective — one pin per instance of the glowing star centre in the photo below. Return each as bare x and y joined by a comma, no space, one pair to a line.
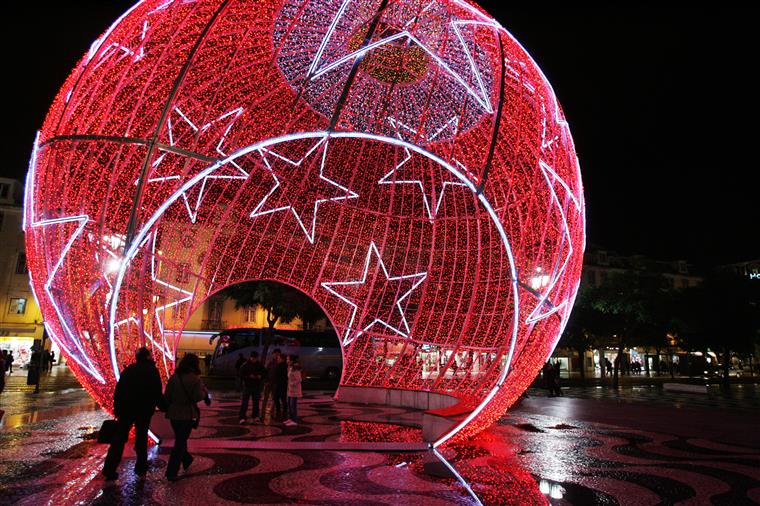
301,186
376,298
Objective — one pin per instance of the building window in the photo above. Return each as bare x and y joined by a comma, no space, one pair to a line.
1,220
250,314
17,306
21,264
683,267
4,190
602,258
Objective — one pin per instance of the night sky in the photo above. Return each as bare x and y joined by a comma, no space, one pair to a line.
662,104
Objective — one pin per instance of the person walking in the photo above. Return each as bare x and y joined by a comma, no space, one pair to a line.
52,360
269,385
10,363
135,399
548,373
556,388
2,371
294,389
280,387
252,375
184,391
238,364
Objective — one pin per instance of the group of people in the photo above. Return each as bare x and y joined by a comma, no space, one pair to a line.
625,367
551,378
6,366
136,397
138,394
281,381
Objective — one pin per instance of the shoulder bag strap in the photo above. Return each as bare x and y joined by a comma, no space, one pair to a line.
195,405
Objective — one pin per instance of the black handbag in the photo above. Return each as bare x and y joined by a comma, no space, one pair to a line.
108,431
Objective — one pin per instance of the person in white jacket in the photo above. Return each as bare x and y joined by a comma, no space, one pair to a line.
294,389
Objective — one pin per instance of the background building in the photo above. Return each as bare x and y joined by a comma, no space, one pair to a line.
599,265
20,317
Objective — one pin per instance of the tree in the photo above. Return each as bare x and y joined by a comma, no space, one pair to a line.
723,314
280,302
632,303
579,333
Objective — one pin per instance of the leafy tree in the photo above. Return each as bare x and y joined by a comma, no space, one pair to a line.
579,334
633,303
723,314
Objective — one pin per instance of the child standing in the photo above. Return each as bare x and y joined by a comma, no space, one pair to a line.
294,389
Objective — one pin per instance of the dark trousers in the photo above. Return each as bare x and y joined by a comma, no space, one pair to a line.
116,450
250,393
293,408
265,397
280,399
179,454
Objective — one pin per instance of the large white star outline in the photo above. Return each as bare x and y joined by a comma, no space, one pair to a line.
81,358
232,116
310,231
348,338
389,177
551,177
163,346
480,95
28,220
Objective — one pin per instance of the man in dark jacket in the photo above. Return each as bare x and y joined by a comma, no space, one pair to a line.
269,384
137,394
280,387
252,375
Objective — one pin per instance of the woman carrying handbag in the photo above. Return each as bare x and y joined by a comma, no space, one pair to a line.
183,391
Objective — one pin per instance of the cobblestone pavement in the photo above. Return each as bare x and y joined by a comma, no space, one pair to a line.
559,451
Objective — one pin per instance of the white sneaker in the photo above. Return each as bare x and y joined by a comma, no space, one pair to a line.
289,422
242,421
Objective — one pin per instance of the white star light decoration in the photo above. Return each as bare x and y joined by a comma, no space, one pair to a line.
80,357
551,177
396,176
478,93
299,209
237,172
334,288
161,345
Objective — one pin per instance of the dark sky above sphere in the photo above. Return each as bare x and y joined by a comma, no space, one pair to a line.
662,104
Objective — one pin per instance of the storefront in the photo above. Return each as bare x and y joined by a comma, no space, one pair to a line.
21,347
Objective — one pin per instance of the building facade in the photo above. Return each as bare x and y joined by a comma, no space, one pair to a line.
598,266
20,319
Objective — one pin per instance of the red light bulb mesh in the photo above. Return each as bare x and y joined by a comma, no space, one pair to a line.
405,163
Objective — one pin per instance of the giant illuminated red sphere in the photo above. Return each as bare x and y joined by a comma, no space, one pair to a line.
403,162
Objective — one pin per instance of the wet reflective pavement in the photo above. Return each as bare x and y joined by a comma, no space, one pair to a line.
559,451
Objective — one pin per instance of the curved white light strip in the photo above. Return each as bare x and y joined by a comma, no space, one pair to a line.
28,193
142,234
458,476
99,41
